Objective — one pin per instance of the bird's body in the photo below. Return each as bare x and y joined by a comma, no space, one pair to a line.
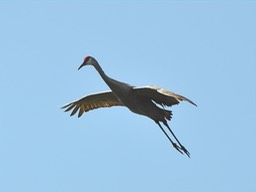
140,100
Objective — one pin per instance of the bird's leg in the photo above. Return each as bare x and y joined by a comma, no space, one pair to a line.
181,146
174,144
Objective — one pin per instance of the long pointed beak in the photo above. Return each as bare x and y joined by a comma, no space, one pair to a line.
83,64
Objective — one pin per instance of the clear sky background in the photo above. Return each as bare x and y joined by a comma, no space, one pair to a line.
205,51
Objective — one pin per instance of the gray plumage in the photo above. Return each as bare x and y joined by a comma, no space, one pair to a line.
140,100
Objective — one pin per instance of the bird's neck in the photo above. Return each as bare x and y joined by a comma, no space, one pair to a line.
113,84
102,73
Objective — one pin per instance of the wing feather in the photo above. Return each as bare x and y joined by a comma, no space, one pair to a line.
93,101
161,96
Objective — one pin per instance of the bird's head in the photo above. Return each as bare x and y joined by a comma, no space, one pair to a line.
88,61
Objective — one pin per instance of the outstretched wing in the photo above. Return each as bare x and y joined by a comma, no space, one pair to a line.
161,96
93,101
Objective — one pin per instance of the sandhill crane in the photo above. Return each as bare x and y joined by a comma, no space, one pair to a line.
140,100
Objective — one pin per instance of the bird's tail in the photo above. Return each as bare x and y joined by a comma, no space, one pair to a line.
168,114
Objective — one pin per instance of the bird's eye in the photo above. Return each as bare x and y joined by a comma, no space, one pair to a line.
86,58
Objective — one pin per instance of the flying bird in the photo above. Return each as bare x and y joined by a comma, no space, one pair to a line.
144,100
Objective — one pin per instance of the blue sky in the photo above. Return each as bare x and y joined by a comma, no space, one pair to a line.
202,50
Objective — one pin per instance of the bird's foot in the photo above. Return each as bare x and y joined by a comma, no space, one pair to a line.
185,150
177,148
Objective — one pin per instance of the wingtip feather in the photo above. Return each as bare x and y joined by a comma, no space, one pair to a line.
192,102
65,106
